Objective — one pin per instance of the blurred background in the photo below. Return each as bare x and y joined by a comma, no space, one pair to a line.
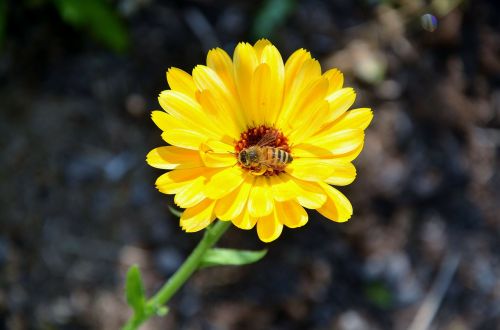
78,80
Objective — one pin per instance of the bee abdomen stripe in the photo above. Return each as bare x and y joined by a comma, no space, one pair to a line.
281,154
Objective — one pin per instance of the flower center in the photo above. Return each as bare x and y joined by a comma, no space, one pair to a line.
263,150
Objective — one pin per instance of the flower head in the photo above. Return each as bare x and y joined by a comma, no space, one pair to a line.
254,140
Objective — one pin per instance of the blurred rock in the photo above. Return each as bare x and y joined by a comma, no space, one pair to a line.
131,255
352,320
168,260
433,237
316,280
135,105
364,60
389,90
118,166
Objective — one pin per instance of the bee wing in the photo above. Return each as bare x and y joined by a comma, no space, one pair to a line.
266,162
267,139
270,164
265,158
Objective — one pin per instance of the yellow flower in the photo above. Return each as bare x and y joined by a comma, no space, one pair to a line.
226,108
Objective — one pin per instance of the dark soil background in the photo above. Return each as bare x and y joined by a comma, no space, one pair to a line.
78,203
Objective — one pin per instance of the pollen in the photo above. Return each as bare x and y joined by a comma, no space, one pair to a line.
253,135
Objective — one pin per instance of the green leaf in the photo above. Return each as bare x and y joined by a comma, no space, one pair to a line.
162,311
271,15
98,18
174,211
218,257
156,310
134,290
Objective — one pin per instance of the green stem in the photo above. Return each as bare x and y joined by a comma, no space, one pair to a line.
211,236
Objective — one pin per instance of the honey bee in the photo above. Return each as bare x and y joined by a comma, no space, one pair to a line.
261,158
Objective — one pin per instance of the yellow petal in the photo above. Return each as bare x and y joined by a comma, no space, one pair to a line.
184,138
181,81
291,214
311,195
261,93
267,87
340,101
219,146
224,182
311,169
260,201
338,142
219,61
221,97
172,182
311,151
191,194
198,217
220,112
170,157
335,80
269,228
165,121
337,207
245,63
283,188
356,118
212,159
343,174
306,129
351,155
233,204
309,71
276,83
308,100
177,132
244,221
307,150
218,157
308,74
304,109
339,172
260,45
189,111
293,65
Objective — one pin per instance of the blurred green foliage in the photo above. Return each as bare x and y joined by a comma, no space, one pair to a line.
96,17
271,15
378,294
444,7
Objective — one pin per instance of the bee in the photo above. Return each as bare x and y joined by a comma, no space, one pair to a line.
261,158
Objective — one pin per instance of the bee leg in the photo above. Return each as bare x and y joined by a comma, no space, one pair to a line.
259,171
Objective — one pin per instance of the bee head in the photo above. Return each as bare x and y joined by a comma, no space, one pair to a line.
243,158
